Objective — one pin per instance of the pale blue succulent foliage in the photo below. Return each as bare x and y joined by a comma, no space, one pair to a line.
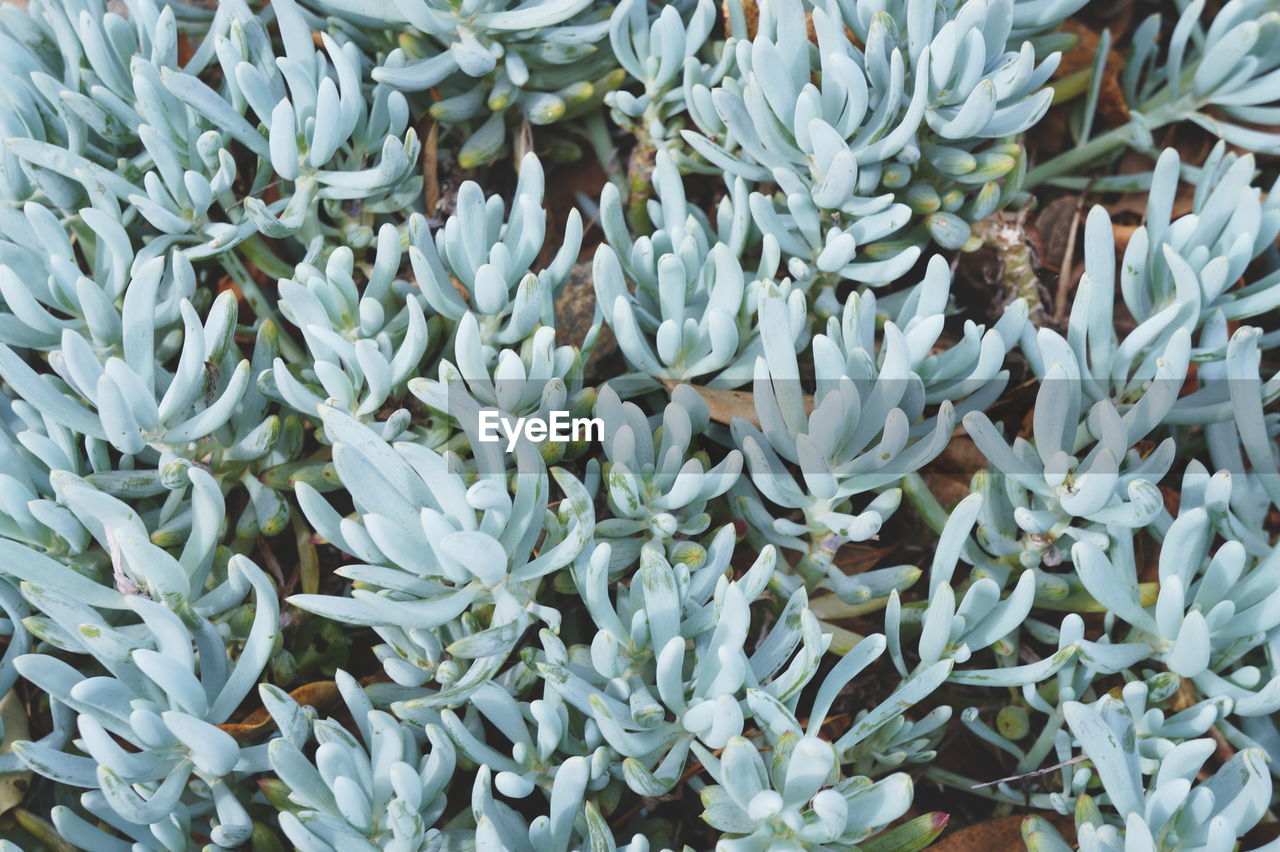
542,61
1101,396
692,312
164,667
650,698
475,273
543,734
1184,282
319,126
953,629
656,483
953,626
162,387
1079,477
883,406
363,342
382,789
1231,224
1212,610
45,292
177,131
792,802
802,799
498,826
490,253
436,550
661,54
1175,277
226,315
1170,811
1217,74
113,389
1079,664
653,697
70,94
534,380
898,127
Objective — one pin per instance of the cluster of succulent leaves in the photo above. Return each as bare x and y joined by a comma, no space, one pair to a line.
264,584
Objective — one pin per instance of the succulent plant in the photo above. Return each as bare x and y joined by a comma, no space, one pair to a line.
792,803
1069,481
1231,224
866,427
657,485
900,125
162,670
656,53
1171,811
491,257
534,380
545,60
377,789
437,553
249,318
666,699
40,278
693,307
1222,67
115,387
1209,613
363,343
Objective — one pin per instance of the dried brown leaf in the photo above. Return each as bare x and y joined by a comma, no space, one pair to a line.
13,785
1111,103
999,834
431,168
1053,227
725,405
319,694
750,10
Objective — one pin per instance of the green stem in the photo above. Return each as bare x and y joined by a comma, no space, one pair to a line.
264,258
1155,113
1040,748
813,566
931,511
1072,160
258,302
968,785
597,134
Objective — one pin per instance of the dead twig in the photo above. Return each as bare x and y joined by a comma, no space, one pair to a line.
431,168
260,192
1064,278
273,565
1033,774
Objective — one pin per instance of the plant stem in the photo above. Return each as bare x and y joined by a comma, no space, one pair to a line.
968,785
597,133
819,557
258,301
1006,235
931,511
1040,748
1155,113
1074,159
264,258
640,180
